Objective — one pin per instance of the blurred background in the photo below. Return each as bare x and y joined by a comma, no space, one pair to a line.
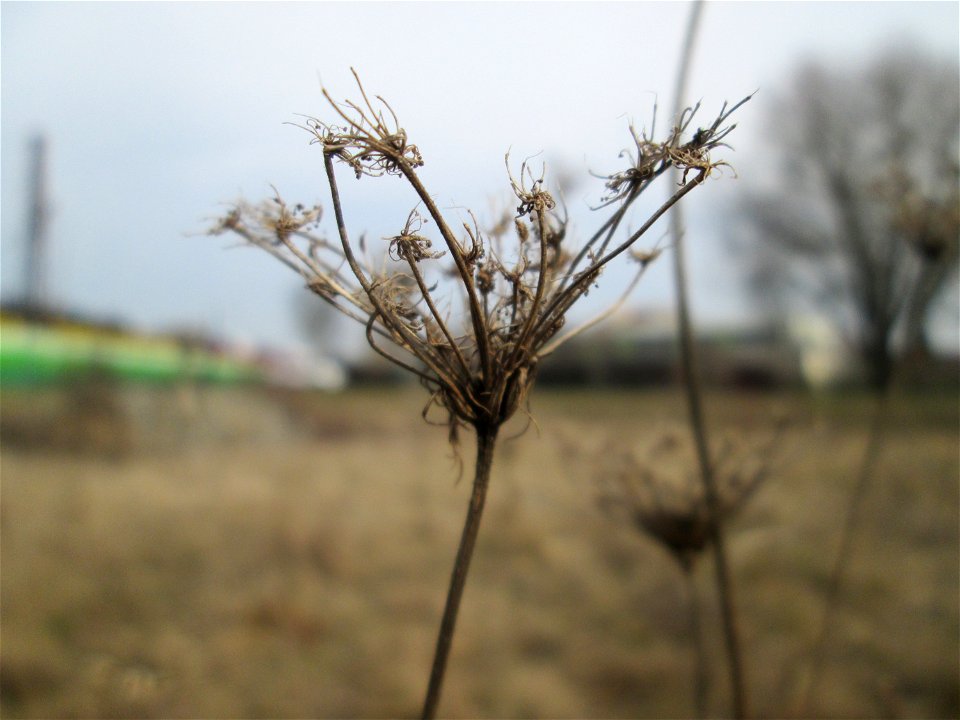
206,474
155,117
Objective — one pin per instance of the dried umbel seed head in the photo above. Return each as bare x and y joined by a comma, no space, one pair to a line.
476,343
649,159
658,489
471,314
929,222
368,143
412,247
536,199
685,532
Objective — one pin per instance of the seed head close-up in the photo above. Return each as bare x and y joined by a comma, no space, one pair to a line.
471,313
474,343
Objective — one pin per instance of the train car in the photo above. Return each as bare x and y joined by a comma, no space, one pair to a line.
40,348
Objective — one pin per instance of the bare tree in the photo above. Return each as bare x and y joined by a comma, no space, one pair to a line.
864,224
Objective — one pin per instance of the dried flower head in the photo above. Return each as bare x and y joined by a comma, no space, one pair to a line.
475,346
649,159
659,490
368,142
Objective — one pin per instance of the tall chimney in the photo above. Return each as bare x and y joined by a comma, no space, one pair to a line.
36,291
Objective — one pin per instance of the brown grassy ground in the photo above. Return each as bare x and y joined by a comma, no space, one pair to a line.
231,554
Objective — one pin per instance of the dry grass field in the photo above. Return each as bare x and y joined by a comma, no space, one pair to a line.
228,553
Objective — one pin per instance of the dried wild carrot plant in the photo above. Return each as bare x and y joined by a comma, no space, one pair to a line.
657,491
476,344
693,390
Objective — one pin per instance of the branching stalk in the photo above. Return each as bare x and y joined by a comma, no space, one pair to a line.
477,317
478,368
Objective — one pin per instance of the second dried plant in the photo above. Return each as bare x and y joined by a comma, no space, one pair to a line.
656,489
471,311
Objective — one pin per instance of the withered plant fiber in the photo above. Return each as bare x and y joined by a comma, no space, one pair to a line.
470,312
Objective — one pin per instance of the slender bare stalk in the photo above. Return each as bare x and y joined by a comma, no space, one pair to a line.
700,675
486,441
848,532
882,384
671,509
694,394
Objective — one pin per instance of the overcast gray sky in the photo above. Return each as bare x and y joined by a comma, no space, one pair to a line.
159,113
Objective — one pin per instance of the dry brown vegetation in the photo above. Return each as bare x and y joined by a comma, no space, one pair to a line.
476,346
247,555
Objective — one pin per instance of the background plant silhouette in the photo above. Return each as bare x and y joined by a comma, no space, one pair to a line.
656,490
689,370
865,227
864,222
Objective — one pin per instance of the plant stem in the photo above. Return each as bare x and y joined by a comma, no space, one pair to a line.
486,441
851,524
700,681
695,404
717,539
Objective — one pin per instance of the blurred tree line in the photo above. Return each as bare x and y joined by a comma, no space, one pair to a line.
863,222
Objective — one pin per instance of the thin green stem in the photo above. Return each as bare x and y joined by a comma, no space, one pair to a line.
486,441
